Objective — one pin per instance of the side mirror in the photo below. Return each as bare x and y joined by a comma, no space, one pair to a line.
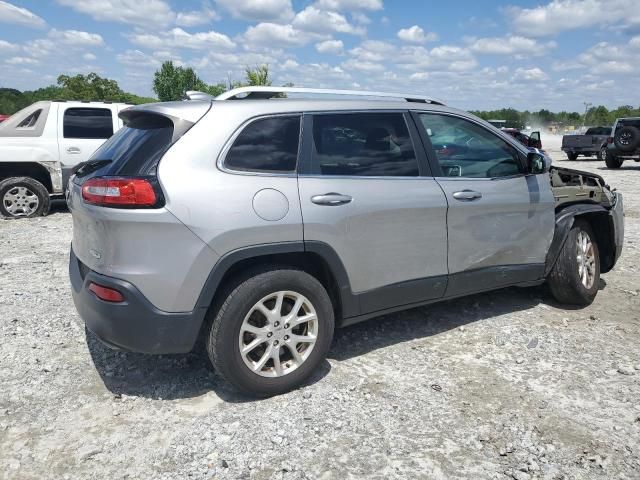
537,163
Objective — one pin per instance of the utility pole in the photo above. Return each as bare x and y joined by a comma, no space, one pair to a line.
586,110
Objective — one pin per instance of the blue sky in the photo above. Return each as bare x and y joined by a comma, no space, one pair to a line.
472,54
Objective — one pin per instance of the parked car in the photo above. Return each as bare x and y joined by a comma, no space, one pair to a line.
41,144
592,144
531,141
3,118
625,142
261,224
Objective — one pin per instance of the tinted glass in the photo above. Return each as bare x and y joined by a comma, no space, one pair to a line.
87,123
266,145
30,121
136,148
464,149
363,144
598,131
634,122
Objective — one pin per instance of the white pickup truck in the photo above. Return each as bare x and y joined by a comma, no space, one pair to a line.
40,145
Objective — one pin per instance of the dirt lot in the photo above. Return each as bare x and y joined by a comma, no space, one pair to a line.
501,385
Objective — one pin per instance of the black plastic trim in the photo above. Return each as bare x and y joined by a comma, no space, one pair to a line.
135,324
492,278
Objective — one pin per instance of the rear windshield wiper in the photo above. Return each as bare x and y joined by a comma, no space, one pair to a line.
85,168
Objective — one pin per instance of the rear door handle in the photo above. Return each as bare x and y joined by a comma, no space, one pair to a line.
467,195
73,150
331,199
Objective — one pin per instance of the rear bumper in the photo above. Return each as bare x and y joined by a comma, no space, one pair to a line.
135,324
591,149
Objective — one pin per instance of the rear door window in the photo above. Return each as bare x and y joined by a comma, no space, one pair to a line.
267,145
375,144
87,123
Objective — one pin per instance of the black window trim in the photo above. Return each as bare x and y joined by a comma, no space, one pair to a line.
220,163
112,115
305,169
433,159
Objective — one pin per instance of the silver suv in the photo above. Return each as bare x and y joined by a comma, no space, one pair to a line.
261,222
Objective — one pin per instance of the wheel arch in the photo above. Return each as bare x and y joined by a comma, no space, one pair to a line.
603,228
316,258
35,170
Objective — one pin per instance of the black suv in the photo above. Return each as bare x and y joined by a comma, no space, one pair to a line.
625,142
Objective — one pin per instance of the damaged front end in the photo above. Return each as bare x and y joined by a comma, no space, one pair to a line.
574,186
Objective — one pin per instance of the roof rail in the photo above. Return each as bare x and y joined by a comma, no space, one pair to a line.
252,93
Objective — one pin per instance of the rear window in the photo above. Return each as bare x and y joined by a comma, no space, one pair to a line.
266,145
635,122
137,148
87,123
598,131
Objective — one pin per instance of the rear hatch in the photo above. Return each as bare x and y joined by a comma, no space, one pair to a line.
116,198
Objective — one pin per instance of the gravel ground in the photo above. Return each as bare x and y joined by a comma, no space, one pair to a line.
501,385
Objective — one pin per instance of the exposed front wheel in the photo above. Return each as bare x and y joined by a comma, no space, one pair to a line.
23,197
271,332
572,156
575,276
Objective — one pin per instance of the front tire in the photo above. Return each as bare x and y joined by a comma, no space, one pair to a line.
23,197
572,156
602,154
271,332
612,161
575,277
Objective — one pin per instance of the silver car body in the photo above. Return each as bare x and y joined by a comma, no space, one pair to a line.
393,243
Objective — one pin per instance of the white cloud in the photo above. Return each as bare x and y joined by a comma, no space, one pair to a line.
415,34
8,47
419,76
76,38
350,4
10,13
89,57
512,45
534,74
134,12
360,18
137,59
312,19
274,35
363,66
260,10
335,47
196,17
561,15
22,61
178,38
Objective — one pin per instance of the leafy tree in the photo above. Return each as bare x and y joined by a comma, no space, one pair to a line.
90,87
258,75
171,82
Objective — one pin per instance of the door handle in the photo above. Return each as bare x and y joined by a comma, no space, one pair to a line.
331,199
467,195
73,150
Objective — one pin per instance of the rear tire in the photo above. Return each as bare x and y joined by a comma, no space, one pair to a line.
250,316
23,197
572,156
612,161
602,154
575,277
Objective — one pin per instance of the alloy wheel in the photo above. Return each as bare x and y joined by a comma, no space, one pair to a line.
278,334
586,258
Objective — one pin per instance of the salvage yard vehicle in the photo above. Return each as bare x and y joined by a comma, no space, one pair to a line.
625,142
531,141
592,144
42,143
261,223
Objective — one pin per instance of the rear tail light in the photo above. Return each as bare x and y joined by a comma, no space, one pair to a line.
120,192
105,293
609,139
